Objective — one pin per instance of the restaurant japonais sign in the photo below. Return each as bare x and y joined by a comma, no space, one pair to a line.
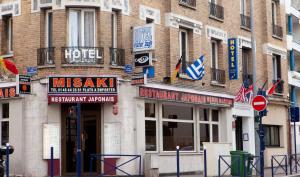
177,96
85,89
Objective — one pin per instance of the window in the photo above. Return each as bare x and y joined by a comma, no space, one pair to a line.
81,27
276,67
48,28
9,33
274,13
243,7
247,65
178,127
209,126
272,135
184,50
114,29
150,127
5,124
214,54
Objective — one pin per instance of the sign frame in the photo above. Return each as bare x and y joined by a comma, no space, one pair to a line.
23,84
233,65
138,38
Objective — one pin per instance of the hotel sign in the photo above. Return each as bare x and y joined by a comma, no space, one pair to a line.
85,89
232,59
185,97
82,54
143,38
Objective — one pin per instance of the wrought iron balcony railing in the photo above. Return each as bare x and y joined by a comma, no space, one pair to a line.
216,11
277,31
218,75
117,57
82,55
279,87
46,56
245,21
189,3
247,78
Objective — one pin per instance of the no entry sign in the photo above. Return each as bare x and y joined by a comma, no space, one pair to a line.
259,103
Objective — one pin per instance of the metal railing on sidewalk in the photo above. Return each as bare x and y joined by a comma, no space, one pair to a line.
279,165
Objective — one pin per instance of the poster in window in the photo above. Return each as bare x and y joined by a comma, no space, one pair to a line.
143,38
233,59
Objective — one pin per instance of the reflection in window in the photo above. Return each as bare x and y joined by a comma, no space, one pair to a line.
177,112
149,110
204,134
150,133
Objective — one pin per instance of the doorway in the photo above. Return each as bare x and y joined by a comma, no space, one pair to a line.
239,133
90,135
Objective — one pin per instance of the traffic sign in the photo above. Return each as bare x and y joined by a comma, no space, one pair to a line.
259,103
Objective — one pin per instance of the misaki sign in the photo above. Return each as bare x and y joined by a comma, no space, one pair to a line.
8,92
85,89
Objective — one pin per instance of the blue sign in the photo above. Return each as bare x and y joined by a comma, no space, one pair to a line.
31,70
294,111
233,59
143,38
149,71
128,69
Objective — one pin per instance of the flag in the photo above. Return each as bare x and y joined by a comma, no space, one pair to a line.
240,96
177,67
272,89
249,94
196,70
8,66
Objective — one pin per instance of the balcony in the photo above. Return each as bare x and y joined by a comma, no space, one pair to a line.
82,55
188,3
117,57
277,31
216,11
247,78
279,88
245,21
46,56
218,76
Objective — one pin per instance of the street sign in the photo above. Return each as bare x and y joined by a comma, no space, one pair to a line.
294,114
259,103
128,69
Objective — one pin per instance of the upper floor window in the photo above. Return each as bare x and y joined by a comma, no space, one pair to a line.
274,12
217,74
81,27
184,48
276,28
247,66
48,28
245,14
216,10
214,54
276,60
8,26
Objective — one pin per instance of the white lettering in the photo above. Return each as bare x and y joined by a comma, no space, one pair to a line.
92,53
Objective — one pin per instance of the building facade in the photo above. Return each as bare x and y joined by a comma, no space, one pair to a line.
83,52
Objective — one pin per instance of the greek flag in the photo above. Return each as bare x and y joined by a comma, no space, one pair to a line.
196,70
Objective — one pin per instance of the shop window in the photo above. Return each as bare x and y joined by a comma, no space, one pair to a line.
150,127
81,28
5,124
178,128
209,126
272,135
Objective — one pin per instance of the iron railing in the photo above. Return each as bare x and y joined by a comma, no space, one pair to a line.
117,57
277,31
82,55
216,11
247,78
218,75
45,56
279,87
189,3
245,21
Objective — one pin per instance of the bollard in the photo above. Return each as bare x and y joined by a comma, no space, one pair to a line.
219,166
286,167
140,166
177,158
272,166
51,163
205,163
7,159
91,165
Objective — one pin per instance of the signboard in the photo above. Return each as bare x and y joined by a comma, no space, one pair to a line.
8,92
259,103
23,84
112,138
51,138
232,59
139,79
82,54
185,97
143,38
294,111
31,70
83,89
142,59
128,69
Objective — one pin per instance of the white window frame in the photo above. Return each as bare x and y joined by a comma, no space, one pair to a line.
114,31
9,35
161,120
274,8
210,122
213,1
275,68
82,10
4,119
215,42
47,27
156,119
186,43
243,7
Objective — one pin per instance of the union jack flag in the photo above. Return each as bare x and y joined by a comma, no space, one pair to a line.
244,94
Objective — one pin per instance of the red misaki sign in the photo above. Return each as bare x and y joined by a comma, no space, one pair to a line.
177,96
